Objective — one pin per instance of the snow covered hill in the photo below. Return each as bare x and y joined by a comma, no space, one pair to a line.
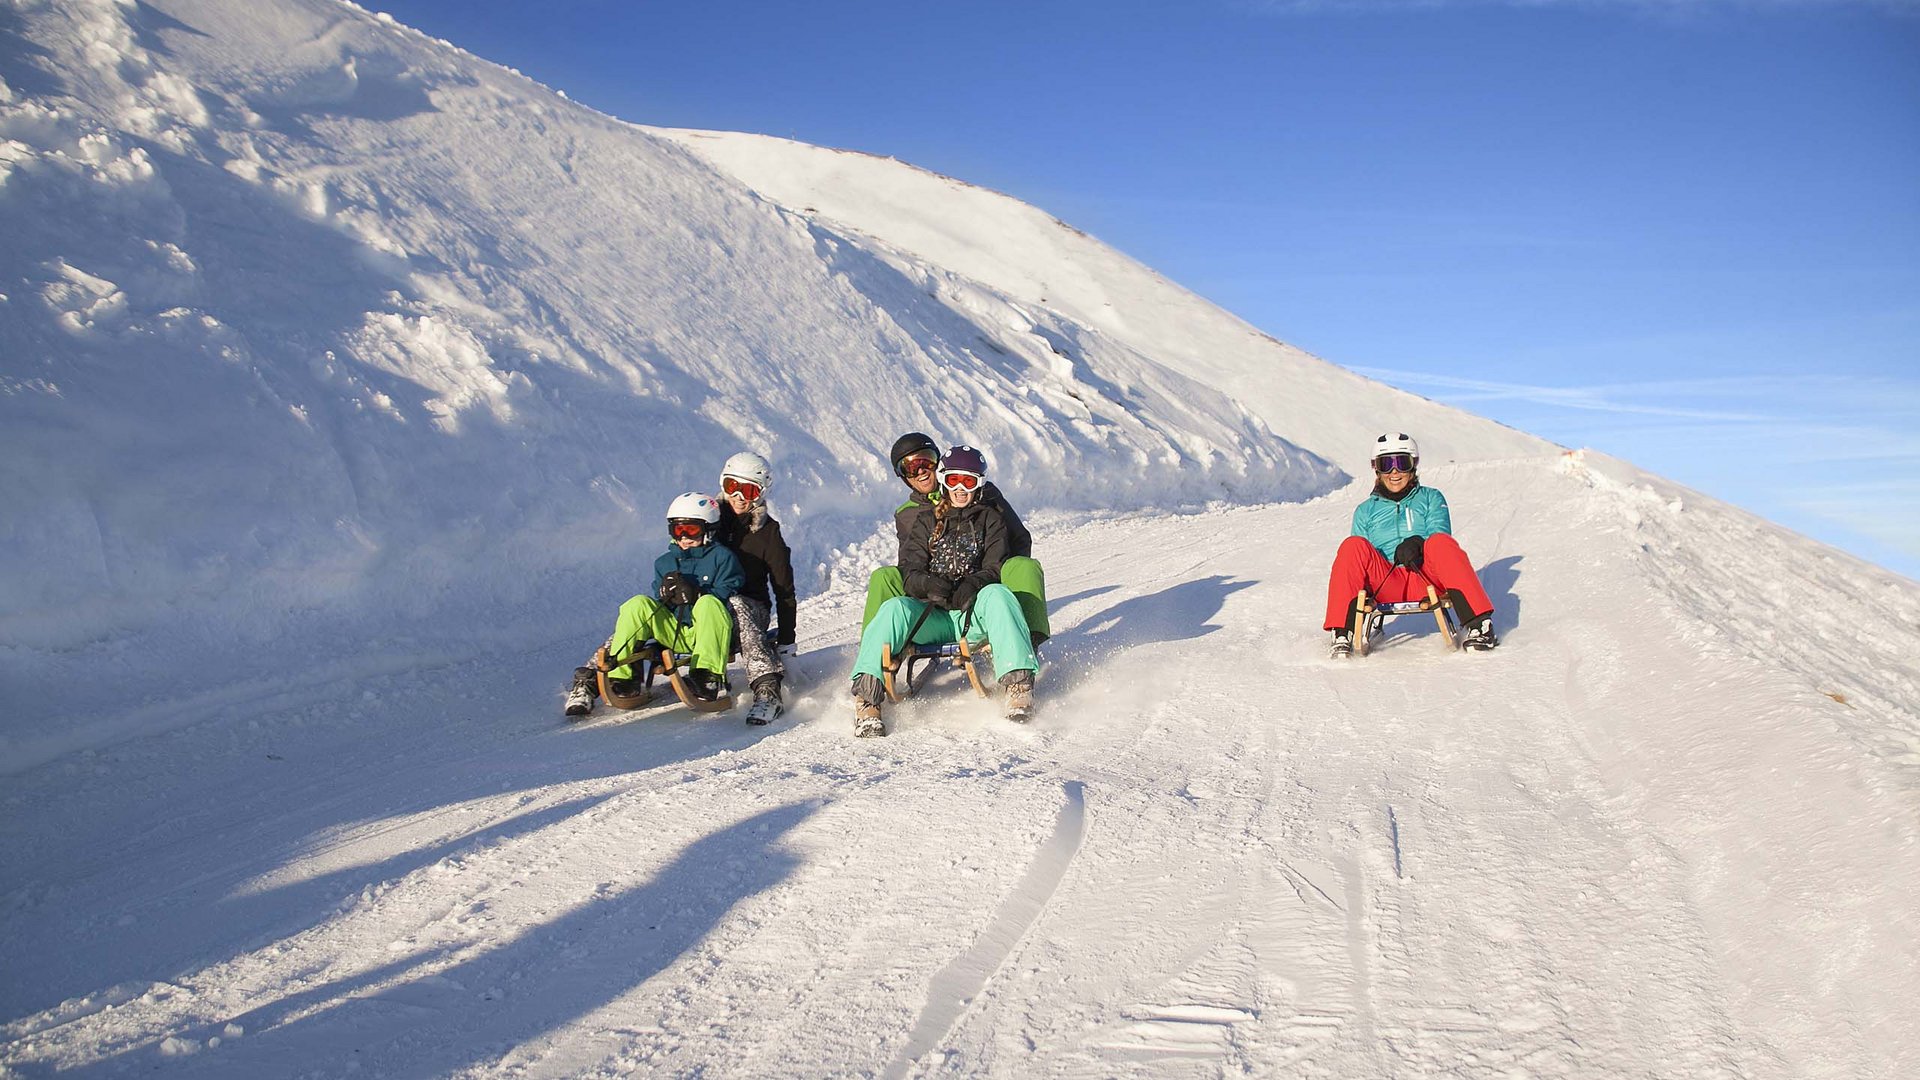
314,322
345,378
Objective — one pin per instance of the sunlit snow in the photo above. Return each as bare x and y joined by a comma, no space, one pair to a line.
345,380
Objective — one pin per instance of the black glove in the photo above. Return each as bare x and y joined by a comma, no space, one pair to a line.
678,591
963,594
1411,553
940,593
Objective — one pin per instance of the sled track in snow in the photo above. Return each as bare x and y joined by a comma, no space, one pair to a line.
959,983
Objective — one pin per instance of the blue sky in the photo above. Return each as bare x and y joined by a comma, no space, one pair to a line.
1684,233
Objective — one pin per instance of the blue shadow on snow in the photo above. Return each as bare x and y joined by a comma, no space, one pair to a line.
470,1014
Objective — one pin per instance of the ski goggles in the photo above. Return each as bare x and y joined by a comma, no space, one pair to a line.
686,530
1387,463
917,465
742,488
959,480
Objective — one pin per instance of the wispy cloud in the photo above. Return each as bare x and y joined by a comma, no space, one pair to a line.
1800,399
1605,399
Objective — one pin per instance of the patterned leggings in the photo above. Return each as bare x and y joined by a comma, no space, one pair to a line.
750,624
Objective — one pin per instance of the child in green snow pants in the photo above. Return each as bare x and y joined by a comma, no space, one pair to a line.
643,618
996,621
1020,574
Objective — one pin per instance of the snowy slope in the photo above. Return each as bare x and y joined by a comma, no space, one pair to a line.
984,239
344,377
314,322
1608,849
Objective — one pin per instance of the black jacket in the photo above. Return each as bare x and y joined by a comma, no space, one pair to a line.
1019,540
971,547
767,562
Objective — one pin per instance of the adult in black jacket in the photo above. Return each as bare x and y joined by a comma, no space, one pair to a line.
751,531
915,460
951,555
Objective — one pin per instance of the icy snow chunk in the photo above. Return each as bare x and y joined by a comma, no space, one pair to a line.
175,1046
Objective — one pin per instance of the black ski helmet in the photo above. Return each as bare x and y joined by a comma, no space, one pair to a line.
913,442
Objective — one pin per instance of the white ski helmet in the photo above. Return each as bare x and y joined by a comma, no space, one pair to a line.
750,467
1392,443
694,506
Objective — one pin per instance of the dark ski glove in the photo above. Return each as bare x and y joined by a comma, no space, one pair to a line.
1411,553
940,593
963,594
678,591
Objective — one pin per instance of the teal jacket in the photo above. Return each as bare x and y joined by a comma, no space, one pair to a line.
711,566
1421,512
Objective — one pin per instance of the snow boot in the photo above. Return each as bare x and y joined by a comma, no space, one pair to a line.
583,693
706,685
1019,689
1478,635
767,705
1342,648
866,707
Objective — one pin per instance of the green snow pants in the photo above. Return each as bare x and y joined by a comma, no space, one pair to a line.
1020,574
996,621
643,618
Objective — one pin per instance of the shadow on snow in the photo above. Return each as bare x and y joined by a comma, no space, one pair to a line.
442,1022
1177,613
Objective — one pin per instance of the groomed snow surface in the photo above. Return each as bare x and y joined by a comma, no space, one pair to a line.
344,378
1625,843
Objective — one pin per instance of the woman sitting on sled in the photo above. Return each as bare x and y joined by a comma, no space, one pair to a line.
1403,541
950,557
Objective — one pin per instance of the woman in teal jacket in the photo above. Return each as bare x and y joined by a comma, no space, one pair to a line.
1402,541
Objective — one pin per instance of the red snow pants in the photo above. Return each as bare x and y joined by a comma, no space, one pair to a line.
1360,565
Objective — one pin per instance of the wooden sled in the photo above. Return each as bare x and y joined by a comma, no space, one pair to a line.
650,660
1370,618
917,658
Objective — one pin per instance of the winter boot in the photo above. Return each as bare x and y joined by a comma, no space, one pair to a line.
1019,689
584,691
1342,648
767,706
703,685
866,707
1478,635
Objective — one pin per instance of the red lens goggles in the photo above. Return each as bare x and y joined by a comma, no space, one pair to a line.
742,488
686,530
1387,463
960,480
916,466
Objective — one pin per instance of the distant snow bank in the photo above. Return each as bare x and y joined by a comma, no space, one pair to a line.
1019,251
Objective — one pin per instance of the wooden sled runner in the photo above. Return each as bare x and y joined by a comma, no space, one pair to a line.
650,660
917,658
1370,618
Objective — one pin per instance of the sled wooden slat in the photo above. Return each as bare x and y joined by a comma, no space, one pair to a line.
670,663
1440,616
968,661
603,664
1365,608
901,688
888,666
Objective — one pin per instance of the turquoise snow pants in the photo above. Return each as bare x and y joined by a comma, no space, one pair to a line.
1019,573
996,621
643,618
